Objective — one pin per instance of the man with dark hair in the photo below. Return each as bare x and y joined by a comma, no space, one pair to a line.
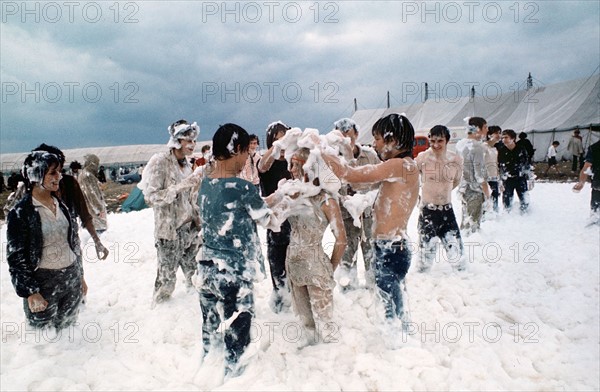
473,187
398,175
526,145
441,171
273,167
515,170
358,155
75,167
591,168
171,188
227,264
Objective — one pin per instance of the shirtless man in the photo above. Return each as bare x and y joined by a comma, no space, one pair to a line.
394,138
441,171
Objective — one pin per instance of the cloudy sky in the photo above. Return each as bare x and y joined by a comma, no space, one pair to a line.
84,74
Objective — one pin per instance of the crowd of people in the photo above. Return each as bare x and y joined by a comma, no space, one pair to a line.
206,216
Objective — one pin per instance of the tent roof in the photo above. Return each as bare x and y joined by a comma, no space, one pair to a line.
109,156
566,105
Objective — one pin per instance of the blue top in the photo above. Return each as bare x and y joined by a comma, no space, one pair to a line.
230,208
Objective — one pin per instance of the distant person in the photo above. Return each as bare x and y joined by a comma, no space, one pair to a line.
1,182
441,171
552,163
90,186
492,147
171,188
473,188
75,167
250,171
515,170
575,147
102,175
203,160
43,252
591,168
13,181
113,174
525,144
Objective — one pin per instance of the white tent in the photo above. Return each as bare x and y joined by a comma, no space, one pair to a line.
109,156
546,113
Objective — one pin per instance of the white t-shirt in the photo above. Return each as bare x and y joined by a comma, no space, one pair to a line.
56,253
551,152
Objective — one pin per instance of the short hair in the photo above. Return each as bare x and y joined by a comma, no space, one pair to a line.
510,133
478,122
52,150
273,129
254,137
227,139
556,143
440,130
522,135
396,127
494,129
205,148
345,124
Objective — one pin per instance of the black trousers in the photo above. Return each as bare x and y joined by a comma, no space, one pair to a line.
277,244
62,289
518,184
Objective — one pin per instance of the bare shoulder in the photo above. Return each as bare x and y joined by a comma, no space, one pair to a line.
422,156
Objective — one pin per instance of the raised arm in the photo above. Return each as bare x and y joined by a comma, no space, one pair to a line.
265,163
331,209
390,169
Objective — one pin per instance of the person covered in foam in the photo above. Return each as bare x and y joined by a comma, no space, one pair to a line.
272,168
397,197
230,254
441,171
90,186
309,269
171,188
358,231
43,252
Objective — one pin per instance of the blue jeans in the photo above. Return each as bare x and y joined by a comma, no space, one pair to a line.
390,265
